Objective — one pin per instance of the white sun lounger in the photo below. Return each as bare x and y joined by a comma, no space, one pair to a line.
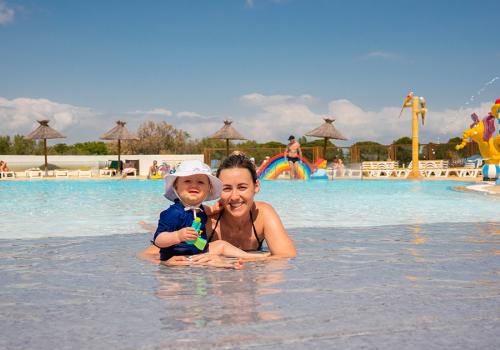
61,173
7,174
84,173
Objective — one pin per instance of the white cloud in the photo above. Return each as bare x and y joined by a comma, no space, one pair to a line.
281,115
266,118
249,3
382,55
278,117
187,114
154,112
256,99
384,126
6,13
196,124
19,116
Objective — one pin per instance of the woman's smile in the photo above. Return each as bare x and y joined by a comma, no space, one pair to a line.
236,205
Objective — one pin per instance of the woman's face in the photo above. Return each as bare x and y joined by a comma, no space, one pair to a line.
238,191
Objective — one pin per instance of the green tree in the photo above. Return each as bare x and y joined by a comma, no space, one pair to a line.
454,155
403,141
90,148
22,146
402,150
273,144
5,145
302,140
158,138
370,150
455,140
180,141
61,148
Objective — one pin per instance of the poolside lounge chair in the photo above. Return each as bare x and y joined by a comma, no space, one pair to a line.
34,173
84,173
129,172
355,172
131,168
402,172
61,173
378,168
107,172
352,171
427,168
7,174
436,168
468,170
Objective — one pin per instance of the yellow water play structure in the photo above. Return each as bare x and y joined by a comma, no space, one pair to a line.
483,133
417,105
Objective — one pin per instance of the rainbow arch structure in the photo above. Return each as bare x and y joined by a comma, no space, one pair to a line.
278,164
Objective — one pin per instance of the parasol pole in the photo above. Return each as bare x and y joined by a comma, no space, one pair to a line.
324,148
45,153
119,162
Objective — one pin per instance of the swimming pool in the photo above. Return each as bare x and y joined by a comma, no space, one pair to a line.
382,264
38,209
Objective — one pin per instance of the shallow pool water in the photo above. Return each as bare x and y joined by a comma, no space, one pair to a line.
374,271
95,208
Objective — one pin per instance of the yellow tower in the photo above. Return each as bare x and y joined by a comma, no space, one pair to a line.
417,105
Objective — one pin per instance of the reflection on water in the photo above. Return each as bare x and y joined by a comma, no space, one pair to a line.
205,297
419,286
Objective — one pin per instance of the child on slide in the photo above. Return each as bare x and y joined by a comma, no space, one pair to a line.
188,187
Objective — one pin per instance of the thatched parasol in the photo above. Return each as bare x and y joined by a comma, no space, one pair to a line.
44,132
119,132
227,132
327,131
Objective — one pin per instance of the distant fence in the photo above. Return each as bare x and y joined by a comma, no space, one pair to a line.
355,153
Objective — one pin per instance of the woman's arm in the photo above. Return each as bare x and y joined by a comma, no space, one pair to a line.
277,239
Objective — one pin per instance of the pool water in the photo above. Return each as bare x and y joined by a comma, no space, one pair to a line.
382,264
37,209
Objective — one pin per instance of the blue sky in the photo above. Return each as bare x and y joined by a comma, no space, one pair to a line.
274,67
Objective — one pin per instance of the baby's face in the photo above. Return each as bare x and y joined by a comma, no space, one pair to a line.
192,190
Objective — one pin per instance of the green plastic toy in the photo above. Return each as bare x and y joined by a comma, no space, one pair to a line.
199,242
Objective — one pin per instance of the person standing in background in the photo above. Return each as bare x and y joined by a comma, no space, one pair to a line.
293,154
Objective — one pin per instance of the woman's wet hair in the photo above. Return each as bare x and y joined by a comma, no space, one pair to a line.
238,160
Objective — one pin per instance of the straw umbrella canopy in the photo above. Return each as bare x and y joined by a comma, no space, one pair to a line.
326,131
119,132
227,132
44,132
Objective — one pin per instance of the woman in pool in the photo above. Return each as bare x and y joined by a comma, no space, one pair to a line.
241,221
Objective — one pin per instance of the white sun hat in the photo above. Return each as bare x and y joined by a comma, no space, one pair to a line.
188,168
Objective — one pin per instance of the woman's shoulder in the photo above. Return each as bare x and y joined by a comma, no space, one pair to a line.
264,208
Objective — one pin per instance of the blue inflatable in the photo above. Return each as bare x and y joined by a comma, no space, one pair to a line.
491,172
319,174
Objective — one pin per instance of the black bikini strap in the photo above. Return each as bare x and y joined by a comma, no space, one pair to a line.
215,227
255,232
